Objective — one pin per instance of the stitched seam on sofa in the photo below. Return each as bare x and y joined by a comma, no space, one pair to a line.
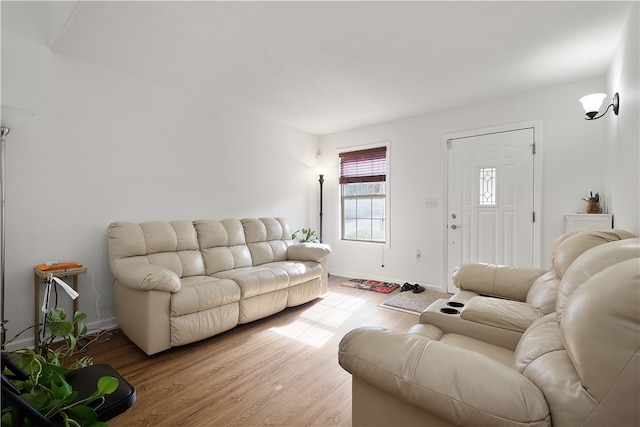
613,383
526,366
418,357
493,284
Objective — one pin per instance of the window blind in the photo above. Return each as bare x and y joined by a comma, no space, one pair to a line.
363,165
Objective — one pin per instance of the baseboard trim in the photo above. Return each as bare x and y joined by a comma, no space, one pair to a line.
92,328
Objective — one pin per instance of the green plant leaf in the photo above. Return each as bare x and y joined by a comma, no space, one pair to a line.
84,415
56,315
61,389
7,418
107,385
78,319
79,316
30,365
37,401
53,370
60,328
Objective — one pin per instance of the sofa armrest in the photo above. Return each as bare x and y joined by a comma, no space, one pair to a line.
496,280
500,313
146,277
308,251
453,383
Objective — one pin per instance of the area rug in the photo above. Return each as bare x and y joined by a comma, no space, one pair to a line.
413,303
371,285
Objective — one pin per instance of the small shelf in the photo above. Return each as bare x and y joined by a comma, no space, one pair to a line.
580,220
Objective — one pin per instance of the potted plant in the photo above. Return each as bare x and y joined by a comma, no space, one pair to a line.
306,235
46,389
593,206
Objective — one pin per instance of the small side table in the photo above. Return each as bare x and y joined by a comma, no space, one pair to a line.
42,275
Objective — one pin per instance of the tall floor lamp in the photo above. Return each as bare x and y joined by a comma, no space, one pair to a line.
321,181
10,118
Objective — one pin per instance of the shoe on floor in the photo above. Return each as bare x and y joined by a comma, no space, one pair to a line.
417,289
407,287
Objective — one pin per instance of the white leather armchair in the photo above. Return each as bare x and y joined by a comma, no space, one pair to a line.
577,366
497,303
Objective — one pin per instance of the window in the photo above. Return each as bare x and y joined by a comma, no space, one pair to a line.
363,189
488,186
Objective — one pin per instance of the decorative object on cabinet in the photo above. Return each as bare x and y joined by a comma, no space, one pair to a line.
593,206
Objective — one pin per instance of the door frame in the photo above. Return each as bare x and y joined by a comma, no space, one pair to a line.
536,125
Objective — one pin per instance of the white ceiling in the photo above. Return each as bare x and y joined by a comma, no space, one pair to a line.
328,66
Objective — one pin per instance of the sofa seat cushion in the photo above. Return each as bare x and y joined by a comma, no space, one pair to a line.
497,353
299,271
199,293
272,276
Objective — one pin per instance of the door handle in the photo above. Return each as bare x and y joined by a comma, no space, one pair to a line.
454,226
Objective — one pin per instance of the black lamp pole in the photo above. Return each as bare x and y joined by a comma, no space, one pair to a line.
12,117
321,181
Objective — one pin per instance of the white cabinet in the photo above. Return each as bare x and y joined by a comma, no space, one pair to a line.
579,220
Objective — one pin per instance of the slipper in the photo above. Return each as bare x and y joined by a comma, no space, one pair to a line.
406,287
417,289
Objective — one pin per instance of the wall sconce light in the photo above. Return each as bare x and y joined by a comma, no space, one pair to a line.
591,104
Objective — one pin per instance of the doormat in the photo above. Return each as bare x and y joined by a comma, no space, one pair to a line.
413,303
371,285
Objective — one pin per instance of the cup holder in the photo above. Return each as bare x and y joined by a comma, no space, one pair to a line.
447,310
455,304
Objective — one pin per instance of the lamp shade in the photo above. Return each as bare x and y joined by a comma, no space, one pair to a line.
13,117
591,103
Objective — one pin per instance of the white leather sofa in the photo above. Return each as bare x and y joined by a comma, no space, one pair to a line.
497,303
577,366
178,282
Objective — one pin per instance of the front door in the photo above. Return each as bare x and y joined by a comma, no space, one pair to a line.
490,196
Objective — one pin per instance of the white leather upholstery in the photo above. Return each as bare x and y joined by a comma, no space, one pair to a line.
195,279
577,366
506,299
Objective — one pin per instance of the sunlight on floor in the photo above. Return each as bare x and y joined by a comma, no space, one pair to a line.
305,333
316,325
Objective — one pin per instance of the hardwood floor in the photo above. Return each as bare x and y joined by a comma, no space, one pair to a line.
279,371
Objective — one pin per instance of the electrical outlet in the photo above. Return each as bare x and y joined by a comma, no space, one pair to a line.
431,203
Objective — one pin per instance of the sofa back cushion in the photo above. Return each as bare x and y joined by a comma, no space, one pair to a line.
542,293
173,245
201,247
223,244
267,239
585,357
574,243
590,264
600,329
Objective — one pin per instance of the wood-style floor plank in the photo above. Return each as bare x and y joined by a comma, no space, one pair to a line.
279,371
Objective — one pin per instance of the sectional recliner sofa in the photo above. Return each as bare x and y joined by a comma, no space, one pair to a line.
575,366
179,282
499,302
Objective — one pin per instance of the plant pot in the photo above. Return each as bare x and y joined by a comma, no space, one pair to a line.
594,208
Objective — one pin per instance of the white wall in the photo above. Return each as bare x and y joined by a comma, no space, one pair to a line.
572,150
623,132
104,147
578,156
